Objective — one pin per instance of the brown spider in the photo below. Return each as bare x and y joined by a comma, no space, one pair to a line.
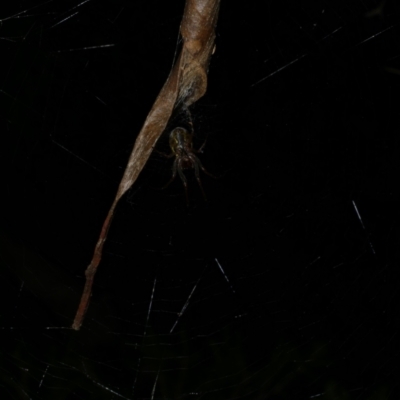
181,144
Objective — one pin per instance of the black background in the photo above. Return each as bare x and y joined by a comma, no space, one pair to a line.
301,122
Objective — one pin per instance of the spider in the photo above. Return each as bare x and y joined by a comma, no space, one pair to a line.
181,144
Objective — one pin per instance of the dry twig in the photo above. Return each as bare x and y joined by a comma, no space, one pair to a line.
186,83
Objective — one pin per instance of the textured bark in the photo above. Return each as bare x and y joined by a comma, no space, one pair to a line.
186,83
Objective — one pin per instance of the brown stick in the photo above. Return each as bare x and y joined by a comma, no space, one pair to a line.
92,268
186,83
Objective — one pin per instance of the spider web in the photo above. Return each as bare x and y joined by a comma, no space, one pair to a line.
282,285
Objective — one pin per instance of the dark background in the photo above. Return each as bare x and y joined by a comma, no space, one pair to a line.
302,128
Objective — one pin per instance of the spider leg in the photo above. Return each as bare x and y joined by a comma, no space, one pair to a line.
184,180
174,168
189,115
196,163
199,164
200,150
164,154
